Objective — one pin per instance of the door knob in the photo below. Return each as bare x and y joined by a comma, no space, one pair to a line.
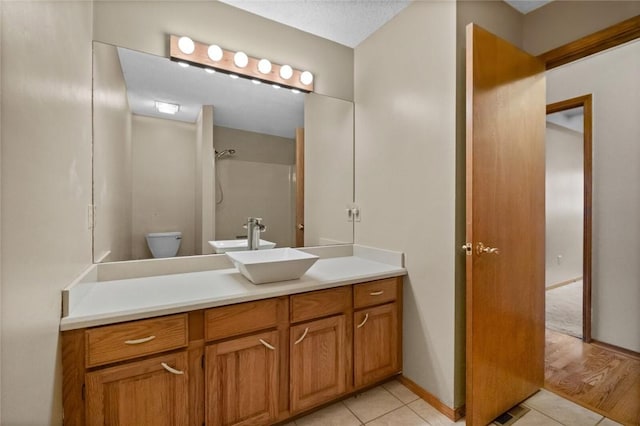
481,248
300,227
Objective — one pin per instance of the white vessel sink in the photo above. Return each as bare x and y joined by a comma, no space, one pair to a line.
266,266
223,246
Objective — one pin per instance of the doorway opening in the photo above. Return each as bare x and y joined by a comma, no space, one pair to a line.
568,217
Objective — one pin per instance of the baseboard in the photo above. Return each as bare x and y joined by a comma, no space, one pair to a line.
623,351
453,414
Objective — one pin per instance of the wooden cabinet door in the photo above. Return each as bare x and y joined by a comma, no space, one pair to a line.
318,360
376,351
140,393
242,380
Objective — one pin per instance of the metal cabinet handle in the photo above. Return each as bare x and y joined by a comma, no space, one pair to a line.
267,345
306,330
170,369
138,341
376,293
366,317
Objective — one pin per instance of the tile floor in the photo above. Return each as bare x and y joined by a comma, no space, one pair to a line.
392,404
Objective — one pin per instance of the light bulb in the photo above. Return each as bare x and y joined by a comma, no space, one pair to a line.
186,45
286,72
215,53
256,81
264,66
183,64
210,70
234,76
240,59
306,78
275,86
295,91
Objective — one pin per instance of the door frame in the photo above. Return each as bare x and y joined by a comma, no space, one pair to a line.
586,102
607,38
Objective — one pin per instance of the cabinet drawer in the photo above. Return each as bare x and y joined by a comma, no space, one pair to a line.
375,293
319,304
242,318
133,339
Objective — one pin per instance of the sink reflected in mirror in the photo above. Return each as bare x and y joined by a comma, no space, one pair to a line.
278,264
223,246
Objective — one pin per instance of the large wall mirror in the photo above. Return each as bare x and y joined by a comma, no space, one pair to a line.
177,149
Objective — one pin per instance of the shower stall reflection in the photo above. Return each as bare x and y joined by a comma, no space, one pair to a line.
255,177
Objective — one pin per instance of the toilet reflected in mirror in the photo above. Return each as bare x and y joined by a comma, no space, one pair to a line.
164,244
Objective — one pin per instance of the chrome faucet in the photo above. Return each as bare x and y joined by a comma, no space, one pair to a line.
254,228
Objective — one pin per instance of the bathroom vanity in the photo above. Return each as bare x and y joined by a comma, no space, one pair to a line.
228,352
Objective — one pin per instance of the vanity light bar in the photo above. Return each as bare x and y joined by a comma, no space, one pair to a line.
234,63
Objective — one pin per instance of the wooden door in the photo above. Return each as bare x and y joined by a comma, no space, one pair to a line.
375,344
242,380
140,393
505,225
318,360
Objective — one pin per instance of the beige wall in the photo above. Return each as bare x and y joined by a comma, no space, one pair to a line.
197,220
328,166
145,26
163,187
207,195
46,188
564,203
205,190
256,182
258,147
612,78
564,21
495,16
111,156
1,280
405,150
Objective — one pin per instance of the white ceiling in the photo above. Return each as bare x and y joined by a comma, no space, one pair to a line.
347,22
526,6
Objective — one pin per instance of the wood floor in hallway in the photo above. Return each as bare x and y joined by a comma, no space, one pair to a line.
603,380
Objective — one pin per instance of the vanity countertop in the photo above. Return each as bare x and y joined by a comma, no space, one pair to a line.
107,302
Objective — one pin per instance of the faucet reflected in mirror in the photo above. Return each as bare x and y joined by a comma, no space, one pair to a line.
144,175
254,228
